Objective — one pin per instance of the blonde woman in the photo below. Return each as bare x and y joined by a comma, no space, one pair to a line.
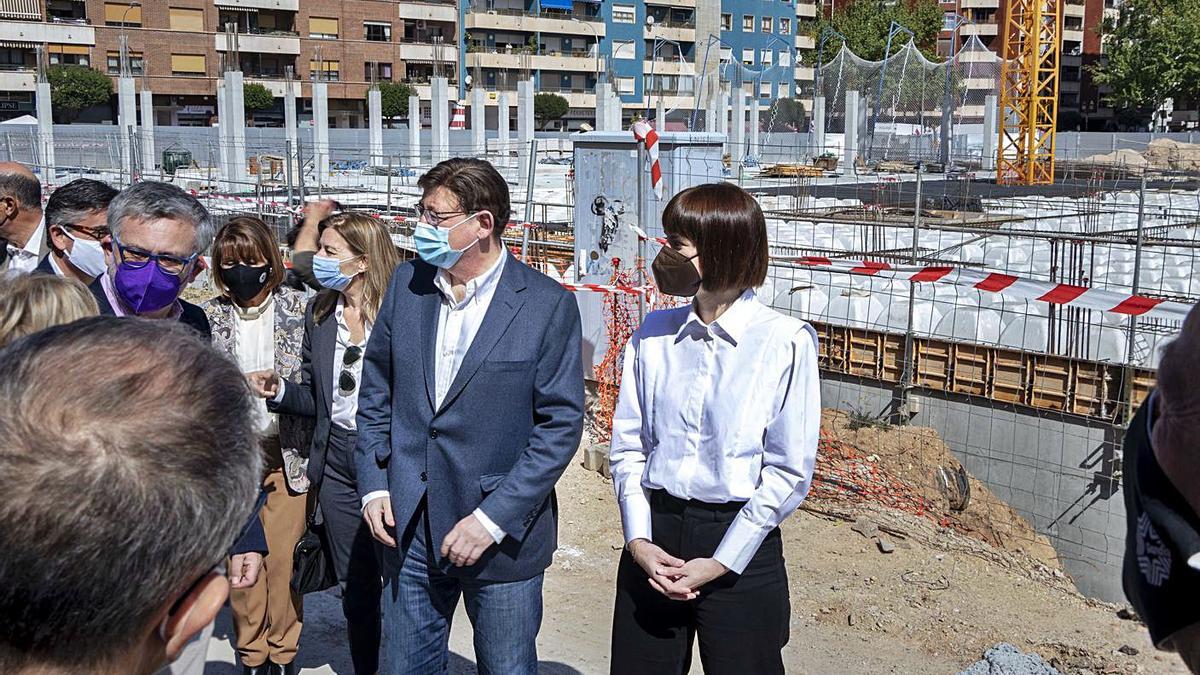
30,303
355,260
259,323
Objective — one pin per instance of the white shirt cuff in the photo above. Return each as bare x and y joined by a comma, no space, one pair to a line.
279,395
740,543
493,529
635,517
372,496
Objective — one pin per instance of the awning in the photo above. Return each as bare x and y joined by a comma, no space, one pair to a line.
230,6
21,9
79,50
15,44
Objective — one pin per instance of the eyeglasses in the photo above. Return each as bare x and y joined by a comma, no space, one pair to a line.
346,383
433,217
96,233
138,258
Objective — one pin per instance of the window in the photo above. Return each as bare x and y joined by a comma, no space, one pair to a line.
187,64
76,55
624,85
376,31
135,62
765,58
122,14
332,71
187,19
624,14
726,55
766,24
11,58
374,69
785,26
323,29
747,56
747,23
726,22
624,49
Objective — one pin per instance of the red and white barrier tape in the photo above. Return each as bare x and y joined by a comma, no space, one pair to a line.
1084,297
612,290
642,131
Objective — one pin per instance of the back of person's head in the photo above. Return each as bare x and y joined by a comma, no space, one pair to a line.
728,228
69,204
21,185
246,239
130,464
369,237
477,186
152,200
33,302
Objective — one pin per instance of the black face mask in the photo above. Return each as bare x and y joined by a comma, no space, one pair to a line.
244,281
675,274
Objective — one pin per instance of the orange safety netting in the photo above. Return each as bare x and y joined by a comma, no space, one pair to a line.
843,473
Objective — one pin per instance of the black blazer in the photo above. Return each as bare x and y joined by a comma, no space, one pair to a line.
313,397
192,315
43,266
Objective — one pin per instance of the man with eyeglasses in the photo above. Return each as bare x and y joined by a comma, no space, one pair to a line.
156,235
76,227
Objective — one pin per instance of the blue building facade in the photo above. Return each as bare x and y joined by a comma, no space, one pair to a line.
761,36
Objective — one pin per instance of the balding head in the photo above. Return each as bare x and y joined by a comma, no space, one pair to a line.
130,462
21,184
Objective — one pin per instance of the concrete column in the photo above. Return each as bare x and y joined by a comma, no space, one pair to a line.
478,121
617,111
853,114
603,102
414,129
737,130
660,115
991,132
45,130
710,117
375,124
222,132
237,126
524,129
723,111
439,121
503,142
819,124
320,139
149,161
755,147
126,119
289,113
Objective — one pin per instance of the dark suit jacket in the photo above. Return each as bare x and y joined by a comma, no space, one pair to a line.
43,266
313,396
510,422
252,537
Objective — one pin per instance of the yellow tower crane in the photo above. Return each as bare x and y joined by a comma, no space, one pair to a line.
1029,92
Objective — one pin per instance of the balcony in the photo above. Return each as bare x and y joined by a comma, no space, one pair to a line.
672,66
61,33
261,43
1069,35
805,42
578,61
806,9
982,29
18,80
410,51
281,5
576,97
429,11
1070,9
980,4
276,85
672,3
805,74
679,31
514,20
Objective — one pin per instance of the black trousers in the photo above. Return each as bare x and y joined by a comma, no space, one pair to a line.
742,620
354,555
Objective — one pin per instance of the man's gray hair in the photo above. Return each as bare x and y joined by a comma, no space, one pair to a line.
151,200
130,464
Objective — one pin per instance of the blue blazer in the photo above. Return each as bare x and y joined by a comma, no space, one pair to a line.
510,422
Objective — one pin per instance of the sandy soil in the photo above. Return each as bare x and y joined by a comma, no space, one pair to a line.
932,606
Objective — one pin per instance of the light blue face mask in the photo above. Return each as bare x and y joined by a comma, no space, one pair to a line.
328,272
433,244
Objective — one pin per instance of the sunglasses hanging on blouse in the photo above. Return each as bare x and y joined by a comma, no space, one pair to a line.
346,382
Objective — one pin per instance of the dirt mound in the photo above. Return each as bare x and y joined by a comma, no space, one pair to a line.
1173,155
912,469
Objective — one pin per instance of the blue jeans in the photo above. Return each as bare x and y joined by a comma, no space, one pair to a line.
418,606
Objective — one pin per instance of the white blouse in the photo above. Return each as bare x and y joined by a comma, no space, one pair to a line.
344,407
256,351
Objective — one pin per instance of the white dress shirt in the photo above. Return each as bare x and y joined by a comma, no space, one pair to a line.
256,351
344,407
722,412
25,259
458,323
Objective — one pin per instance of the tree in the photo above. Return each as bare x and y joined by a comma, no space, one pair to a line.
548,108
256,97
866,24
393,99
1151,54
786,114
74,88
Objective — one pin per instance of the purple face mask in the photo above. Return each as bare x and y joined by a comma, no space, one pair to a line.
147,288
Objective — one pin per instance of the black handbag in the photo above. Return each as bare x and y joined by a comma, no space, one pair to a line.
312,561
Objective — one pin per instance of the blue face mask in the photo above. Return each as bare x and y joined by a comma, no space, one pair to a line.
328,272
433,244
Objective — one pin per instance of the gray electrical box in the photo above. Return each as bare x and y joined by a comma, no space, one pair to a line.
606,206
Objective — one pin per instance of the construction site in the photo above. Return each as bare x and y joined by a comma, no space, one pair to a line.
991,298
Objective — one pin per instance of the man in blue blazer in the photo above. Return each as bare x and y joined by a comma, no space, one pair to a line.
470,408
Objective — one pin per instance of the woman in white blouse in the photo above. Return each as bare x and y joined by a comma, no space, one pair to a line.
355,260
260,324
714,439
